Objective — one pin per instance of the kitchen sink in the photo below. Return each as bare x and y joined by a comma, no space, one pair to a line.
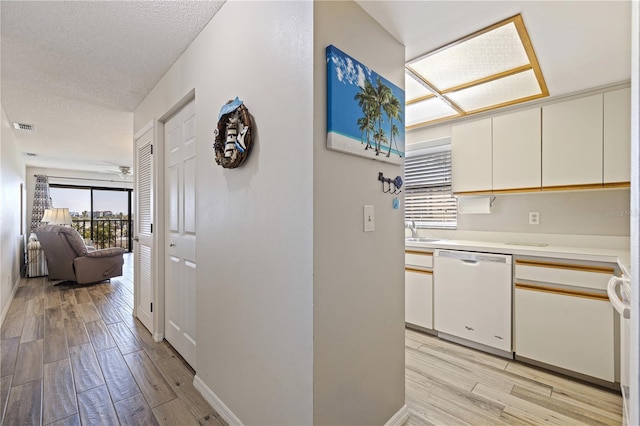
421,240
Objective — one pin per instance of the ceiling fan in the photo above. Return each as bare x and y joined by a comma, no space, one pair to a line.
125,172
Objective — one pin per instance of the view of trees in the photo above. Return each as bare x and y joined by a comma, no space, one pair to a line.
377,103
112,232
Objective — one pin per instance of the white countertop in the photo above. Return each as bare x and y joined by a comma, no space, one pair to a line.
621,257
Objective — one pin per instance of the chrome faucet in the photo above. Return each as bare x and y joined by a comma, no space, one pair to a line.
411,224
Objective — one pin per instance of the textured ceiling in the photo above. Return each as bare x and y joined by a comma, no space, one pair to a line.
580,45
76,70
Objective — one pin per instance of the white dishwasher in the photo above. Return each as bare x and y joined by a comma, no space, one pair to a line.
473,297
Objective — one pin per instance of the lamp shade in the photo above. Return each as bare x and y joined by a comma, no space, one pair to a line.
46,217
59,216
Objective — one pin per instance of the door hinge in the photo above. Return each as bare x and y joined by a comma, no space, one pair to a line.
152,228
151,306
151,149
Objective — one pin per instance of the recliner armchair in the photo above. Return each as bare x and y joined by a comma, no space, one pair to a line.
69,258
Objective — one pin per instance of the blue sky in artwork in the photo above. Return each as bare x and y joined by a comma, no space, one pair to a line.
345,78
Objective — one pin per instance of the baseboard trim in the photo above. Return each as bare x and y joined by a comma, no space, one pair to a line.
217,403
158,337
6,307
399,418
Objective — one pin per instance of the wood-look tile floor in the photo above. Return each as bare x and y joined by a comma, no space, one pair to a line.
72,355
449,384
75,355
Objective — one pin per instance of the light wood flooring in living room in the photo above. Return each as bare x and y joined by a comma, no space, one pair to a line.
74,355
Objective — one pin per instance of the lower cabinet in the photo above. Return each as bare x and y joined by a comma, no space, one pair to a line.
570,331
418,297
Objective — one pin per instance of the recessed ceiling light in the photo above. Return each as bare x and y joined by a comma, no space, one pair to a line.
24,126
489,69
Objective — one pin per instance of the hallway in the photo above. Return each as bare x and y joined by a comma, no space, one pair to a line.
74,355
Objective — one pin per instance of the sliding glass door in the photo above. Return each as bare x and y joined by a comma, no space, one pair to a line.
101,215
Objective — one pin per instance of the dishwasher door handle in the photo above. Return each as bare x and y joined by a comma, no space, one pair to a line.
469,262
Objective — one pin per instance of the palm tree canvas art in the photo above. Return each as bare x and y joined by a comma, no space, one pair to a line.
365,111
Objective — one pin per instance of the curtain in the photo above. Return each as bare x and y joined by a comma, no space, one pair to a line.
41,200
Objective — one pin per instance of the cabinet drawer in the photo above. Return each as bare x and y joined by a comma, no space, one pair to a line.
567,331
418,258
594,277
418,298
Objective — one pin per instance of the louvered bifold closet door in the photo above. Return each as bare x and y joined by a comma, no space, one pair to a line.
144,229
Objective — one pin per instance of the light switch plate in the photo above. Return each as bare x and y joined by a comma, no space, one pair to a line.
369,219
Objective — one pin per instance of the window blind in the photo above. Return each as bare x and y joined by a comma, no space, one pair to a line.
429,201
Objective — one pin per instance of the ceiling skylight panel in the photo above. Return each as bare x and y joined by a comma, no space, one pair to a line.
498,92
413,89
473,59
428,110
492,68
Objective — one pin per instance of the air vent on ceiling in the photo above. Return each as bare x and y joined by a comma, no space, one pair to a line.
24,126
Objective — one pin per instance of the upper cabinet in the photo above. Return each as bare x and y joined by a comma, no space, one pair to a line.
471,157
582,143
617,136
516,150
572,142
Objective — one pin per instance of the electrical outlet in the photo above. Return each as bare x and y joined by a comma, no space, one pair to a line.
534,218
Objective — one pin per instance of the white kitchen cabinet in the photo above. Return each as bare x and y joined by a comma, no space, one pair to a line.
564,274
471,156
517,150
563,316
568,331
418,297
419,259
617,136
572,142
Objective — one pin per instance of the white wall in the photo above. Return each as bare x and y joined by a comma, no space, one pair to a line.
12,174
586,212
254,223
635,218
358,277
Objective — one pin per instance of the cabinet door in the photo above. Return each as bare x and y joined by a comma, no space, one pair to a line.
517,150
617,136
418,298
572,142
471,156
571,332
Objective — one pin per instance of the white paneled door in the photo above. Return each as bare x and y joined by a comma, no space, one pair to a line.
180,272
143,247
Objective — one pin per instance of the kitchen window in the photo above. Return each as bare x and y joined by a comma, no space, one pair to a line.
429,200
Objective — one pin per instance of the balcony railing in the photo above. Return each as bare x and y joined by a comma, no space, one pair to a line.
105,233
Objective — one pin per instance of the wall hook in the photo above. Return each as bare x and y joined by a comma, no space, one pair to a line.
396,183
